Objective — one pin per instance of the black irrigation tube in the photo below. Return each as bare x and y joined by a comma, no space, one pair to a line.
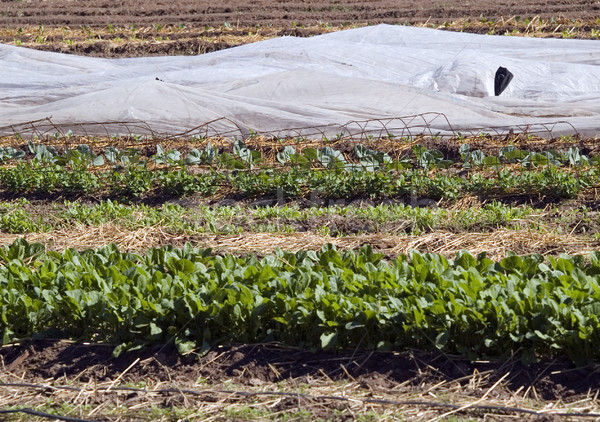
467,407
33,412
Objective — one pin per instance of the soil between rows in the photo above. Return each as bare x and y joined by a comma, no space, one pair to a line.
48,361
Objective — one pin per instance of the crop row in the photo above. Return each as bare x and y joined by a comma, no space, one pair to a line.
526,306
22,216
131,182
238,155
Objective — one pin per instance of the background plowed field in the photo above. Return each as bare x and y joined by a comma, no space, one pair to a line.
278,13
130,28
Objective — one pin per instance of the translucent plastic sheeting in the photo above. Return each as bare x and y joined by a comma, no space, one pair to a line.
327,82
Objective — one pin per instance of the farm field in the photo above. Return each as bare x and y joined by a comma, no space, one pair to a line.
104,29
416,278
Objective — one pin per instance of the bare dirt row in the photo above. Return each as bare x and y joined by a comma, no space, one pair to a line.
278,13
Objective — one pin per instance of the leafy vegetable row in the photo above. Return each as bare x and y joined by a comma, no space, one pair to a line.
243,157
134,181
523,305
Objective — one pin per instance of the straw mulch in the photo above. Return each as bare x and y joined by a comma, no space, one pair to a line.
495,243
479,396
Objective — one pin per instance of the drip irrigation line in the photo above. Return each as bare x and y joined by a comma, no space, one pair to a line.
33,412
197,393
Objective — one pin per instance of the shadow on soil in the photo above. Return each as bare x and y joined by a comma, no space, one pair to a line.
265,363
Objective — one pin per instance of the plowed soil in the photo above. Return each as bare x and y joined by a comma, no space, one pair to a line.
130,28
278,13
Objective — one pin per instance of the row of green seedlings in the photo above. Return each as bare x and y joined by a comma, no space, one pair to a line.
22,217
520,306
130,177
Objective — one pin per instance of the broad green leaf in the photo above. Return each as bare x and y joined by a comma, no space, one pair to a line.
464,151
442,339
328,340
284,155
184,347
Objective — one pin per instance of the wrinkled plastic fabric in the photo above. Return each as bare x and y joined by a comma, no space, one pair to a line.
325,81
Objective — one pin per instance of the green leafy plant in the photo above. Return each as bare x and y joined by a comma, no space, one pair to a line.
206,156
430,158
520,305
181,183
170,158
370,159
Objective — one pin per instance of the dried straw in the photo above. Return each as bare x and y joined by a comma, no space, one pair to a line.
480,396
495,243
